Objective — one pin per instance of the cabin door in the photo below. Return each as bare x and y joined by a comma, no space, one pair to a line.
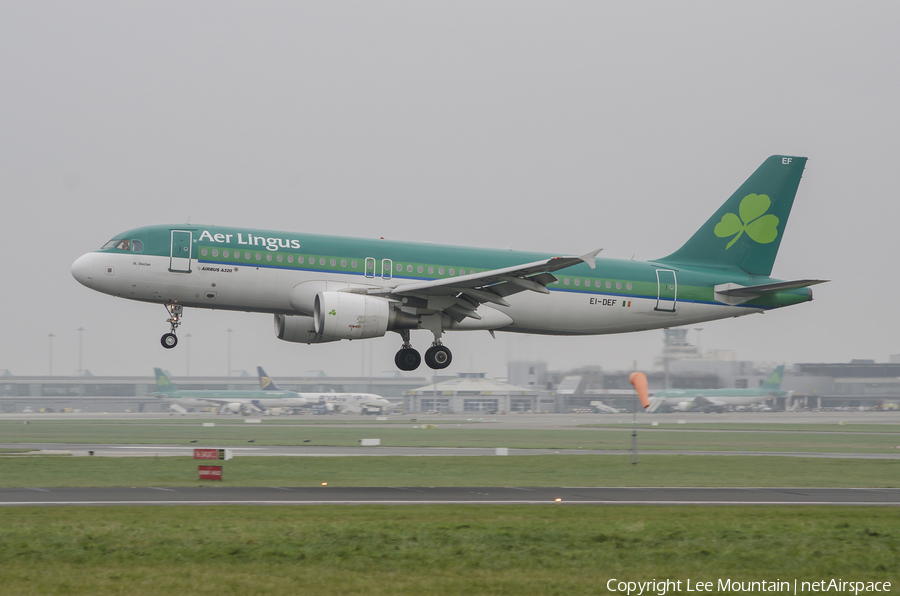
667,290
180,257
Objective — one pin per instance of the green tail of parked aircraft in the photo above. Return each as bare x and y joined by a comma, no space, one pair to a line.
718,400
268,397
234,401
328,288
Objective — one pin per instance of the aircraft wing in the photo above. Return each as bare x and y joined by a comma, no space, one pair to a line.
460,296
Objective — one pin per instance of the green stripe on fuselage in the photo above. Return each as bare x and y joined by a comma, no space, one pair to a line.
693,284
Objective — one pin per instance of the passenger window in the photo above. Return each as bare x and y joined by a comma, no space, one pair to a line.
203,252
333,262
279,257
353,263
441,271
247,255
430,270
268,256
618,285
291,258
608,285
299,260
419,269
215,252
137,246
628,286
322,261
566,281
258,256
409,268
225,253
343,262
597,284
452,271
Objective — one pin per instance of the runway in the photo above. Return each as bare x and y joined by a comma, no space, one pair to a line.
19,497
106,450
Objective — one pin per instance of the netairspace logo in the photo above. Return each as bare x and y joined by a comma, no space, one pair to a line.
663,587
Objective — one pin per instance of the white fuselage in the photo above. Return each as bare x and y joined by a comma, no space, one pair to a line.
564,311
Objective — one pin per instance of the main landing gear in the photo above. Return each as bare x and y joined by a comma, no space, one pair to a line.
169,340
437,357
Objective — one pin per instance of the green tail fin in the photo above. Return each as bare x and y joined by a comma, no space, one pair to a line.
163,384
746,231
774,380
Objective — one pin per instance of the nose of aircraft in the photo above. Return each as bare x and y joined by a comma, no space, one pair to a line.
83,269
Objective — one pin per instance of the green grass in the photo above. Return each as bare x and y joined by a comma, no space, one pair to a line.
446,435
793,427
440,550
533,470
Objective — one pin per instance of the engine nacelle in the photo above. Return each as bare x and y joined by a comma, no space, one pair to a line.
343,315
298,329
684,406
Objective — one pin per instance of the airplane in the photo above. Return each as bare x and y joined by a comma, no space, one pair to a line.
345,403
328,288
235,401
718,400
353,403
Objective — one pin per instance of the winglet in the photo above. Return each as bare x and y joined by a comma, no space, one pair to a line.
591,258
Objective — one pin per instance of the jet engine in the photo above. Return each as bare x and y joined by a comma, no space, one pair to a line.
298,328
346,315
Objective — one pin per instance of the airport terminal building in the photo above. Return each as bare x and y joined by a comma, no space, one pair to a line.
135,394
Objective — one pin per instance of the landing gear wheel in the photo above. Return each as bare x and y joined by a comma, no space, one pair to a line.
175,311
438,357
408,359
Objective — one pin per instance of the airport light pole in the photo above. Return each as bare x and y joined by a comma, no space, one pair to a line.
50,337
188,337
80,351
229,331
634,441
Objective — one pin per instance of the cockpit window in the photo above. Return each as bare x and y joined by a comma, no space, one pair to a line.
110,244
137,246
124,245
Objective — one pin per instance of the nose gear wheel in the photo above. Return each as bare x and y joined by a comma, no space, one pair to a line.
170,340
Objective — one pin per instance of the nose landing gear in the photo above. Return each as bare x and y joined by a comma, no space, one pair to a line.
170,340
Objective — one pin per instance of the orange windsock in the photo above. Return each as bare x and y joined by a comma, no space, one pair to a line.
639,380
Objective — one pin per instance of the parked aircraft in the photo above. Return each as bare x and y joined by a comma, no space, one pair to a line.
345,403
353,403
718,400
233,401
325,288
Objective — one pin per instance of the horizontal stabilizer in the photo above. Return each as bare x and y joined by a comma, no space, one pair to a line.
735,294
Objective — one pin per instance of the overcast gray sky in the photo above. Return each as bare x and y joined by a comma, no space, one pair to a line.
551,126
